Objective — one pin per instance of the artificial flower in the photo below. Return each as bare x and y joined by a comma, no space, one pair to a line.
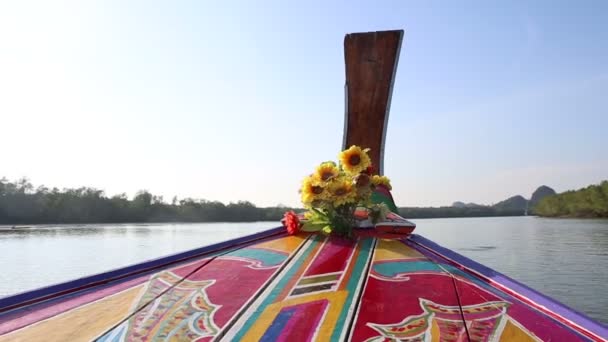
333,192
311,191
363,186
354,160
382,180
378,212
342,192
326,172
291,222
362,180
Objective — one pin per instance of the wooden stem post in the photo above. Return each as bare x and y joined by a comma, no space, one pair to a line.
371,63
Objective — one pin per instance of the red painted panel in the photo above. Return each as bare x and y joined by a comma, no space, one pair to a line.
397,306
532,322
332,257
235,283
206,298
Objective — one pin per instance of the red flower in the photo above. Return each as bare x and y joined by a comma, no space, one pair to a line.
369,171
291,222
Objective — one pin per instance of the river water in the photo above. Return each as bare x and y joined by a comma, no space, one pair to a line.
566,259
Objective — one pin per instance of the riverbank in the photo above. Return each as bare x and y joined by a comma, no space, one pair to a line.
588,202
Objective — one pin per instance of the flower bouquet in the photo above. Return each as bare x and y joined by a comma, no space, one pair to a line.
338,197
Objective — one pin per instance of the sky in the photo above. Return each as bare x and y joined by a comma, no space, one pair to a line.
233,101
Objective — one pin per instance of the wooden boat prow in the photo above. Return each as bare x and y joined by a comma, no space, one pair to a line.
271,286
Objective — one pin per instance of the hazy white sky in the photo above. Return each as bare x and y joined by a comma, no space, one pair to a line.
239,100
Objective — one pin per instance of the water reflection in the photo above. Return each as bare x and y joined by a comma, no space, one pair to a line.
44,255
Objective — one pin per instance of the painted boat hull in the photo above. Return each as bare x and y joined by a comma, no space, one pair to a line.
270,286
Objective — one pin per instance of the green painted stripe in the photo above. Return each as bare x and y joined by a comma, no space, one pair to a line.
267,257
320,279
378,197
351,286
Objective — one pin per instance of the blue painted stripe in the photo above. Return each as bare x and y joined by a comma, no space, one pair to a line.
278,325
391,269
115,335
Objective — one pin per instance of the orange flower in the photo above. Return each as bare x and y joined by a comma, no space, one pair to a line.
291,222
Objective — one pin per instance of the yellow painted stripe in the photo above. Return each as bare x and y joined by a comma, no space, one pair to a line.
286,244
336,302
80,324
388,249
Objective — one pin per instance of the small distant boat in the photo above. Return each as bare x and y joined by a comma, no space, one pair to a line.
14,227
383,285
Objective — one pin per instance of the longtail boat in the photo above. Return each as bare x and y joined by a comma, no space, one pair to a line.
377,286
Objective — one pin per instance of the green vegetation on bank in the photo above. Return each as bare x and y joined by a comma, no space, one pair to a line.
20,203
513,206
591,201
443,212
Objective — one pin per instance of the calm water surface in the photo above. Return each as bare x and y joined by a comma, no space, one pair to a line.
566,259
44,255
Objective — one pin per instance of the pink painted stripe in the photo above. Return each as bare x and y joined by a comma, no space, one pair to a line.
305,322
25,317
332,257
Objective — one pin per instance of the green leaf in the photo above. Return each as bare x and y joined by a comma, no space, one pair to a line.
327,229
319,221
312,227
319,212
319,215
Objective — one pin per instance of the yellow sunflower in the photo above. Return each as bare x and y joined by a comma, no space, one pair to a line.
326,172
311,191
382,180
354,160
342,191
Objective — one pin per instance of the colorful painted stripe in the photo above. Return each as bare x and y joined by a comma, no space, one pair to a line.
270,314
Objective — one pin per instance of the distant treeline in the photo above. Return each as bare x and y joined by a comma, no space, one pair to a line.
591,201
21,203
439,212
